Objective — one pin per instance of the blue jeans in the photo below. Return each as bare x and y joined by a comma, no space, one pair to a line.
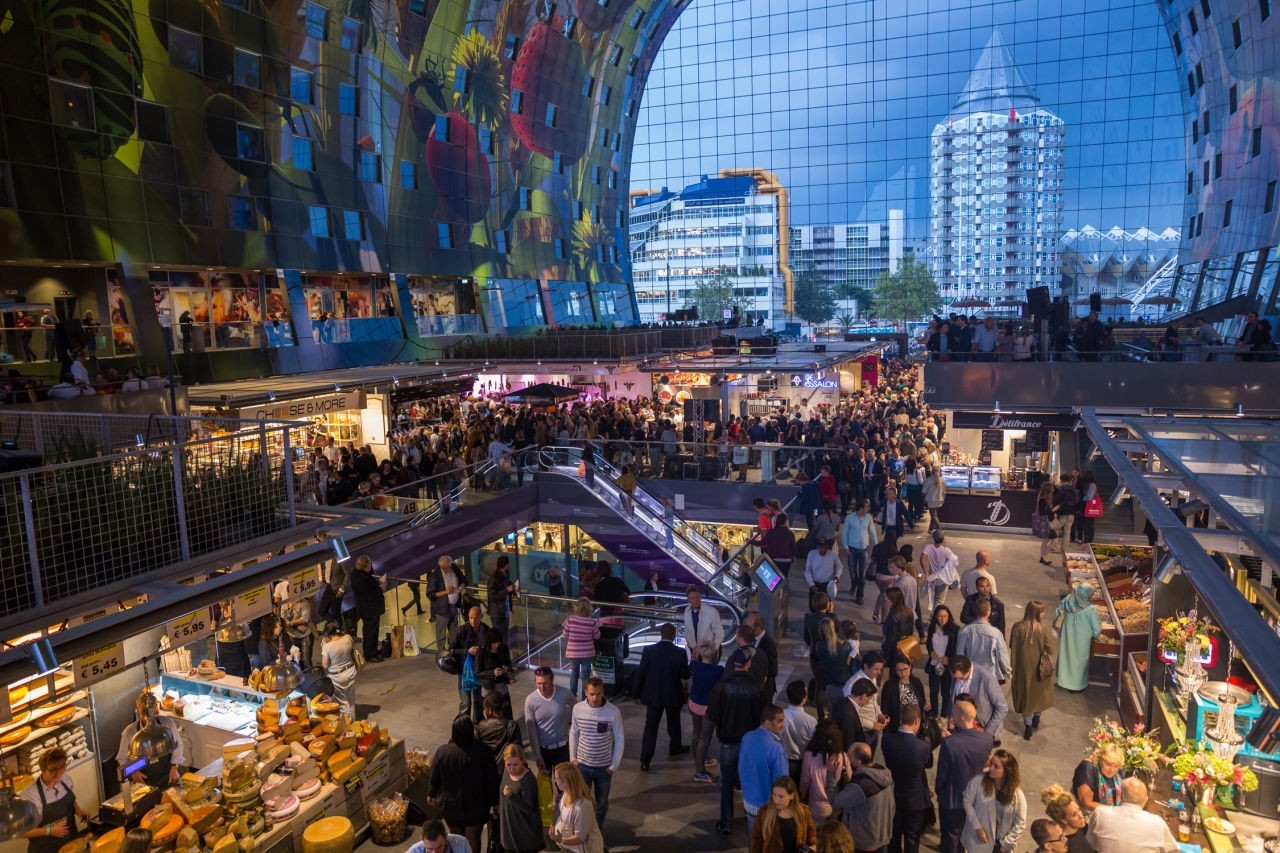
599,780
856,560
470,703
579,670
728,778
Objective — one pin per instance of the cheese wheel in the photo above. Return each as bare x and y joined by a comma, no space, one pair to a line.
16,736
110,842
168,832
75,845
329,835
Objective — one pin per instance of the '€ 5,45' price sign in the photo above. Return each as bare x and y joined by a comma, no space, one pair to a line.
99,663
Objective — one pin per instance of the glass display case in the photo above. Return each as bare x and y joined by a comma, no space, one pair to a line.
956,477
983,480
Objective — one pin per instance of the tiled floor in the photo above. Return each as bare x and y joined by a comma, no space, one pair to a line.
664,809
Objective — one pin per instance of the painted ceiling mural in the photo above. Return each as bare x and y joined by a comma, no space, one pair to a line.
481,138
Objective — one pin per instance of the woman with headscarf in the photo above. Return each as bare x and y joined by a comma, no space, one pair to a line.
1079,626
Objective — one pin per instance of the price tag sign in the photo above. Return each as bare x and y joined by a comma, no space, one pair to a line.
98,664
188,629
254,603
303,583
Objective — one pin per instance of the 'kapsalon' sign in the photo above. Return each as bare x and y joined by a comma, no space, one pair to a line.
814,380
292,410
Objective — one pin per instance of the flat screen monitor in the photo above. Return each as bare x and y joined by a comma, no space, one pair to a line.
768,576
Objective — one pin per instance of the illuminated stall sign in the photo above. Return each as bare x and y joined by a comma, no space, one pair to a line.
1012,420
814,381
306,407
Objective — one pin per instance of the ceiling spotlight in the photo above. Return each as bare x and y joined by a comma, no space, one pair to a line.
341,552
271,396
1240,410
337,387
41,653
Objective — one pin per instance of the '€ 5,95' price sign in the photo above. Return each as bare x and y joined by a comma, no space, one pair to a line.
189,628
99,663
303,583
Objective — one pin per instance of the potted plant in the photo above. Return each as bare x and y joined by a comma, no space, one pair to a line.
1208,775
1141,750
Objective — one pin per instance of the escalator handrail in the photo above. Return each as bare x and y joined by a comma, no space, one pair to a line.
704,566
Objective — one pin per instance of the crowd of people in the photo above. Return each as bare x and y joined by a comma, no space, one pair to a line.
836,761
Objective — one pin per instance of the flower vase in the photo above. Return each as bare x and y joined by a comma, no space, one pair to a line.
1225,797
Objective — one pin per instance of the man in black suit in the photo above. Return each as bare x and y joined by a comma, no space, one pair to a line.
660,687
893,516
962,756
907,757
845,715
746,653
873,480
766,646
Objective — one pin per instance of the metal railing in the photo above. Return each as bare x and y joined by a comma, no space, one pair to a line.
560,344
177,492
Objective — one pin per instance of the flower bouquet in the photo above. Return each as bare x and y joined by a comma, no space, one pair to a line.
1206,772
1177,630
1141,750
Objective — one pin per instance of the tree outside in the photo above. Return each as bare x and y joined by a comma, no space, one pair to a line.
815,299
846,321
713,296
862,299
908,294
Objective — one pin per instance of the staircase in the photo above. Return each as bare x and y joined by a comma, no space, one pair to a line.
1117,521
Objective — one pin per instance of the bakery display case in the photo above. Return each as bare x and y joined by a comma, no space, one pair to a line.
985,480
957,478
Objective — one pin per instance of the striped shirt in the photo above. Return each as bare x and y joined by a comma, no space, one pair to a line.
595,735
580,633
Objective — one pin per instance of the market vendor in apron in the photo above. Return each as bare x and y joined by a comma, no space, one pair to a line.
161,771
55,797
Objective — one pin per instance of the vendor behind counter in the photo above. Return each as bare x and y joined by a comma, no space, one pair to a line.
54,795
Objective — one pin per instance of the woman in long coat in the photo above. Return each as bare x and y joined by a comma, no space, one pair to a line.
1027,641
1080,626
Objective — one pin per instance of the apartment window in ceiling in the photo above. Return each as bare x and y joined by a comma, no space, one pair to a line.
1233,99
517,101
557,162
1191,84
636,17
1236,37
1206,173
418,7
1255,148
408,174
348,99
193,207
615,55
250,144
370,165
1191,20
353,224
461,79
1177,44
524,198
1269,204
248,69
185,50
511,47
606,93
501,242
350,38
316,20
240,213
300,85
444,235
442,128
319,218
1199,74
1264,9
570,27
1226,214
1217,165
552,112
153,122
562,248
1199,223
1204,7
303,157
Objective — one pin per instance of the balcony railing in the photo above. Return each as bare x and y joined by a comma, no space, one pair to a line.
127,496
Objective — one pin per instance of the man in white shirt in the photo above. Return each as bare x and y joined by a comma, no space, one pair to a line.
980,642
1128,827
701,625
969,580
797,725
822,569
80,370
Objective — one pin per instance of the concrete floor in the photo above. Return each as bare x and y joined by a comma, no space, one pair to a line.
664,809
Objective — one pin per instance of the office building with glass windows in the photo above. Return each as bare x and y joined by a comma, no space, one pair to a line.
720,229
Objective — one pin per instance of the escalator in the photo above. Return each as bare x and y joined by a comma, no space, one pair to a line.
637,537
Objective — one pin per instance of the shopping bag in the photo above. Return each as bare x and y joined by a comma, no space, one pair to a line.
469,680
1093,507
546,799
410,645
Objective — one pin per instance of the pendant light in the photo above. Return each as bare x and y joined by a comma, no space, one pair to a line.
282,676
17,816
152,740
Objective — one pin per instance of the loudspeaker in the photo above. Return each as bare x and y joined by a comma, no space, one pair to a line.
1095,302
709,410
819,347
1038,301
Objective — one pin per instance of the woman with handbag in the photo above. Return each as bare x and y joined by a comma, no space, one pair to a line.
1032,653
337,656
519,815
899,624
935,495
1042,522
575,829
902,689
1090,506
995,809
